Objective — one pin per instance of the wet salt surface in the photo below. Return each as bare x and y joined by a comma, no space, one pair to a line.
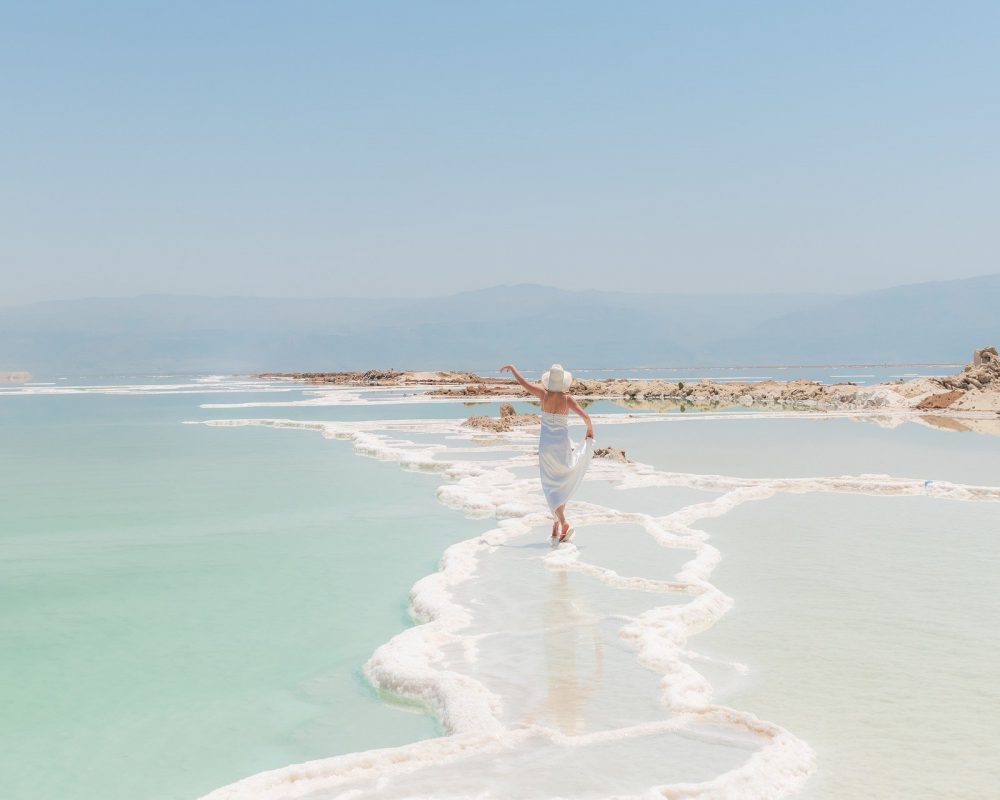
781,446
529,645
537,768
869,625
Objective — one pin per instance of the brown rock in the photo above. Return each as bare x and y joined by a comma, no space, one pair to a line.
391,377
509,418
612,454
942,400
480,390
985,355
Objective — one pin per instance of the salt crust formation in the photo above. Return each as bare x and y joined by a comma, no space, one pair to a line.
433,663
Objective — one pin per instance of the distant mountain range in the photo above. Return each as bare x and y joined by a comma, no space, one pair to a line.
532,325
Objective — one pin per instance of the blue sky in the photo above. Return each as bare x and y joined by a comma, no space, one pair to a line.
415,148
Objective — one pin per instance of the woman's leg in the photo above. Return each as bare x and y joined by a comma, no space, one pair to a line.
561,517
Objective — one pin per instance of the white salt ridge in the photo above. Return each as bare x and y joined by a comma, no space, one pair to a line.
357,396
444,664
198,386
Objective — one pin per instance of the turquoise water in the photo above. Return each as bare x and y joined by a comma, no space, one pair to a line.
181,606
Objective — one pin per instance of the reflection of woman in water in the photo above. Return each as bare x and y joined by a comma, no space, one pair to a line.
561,465
566,626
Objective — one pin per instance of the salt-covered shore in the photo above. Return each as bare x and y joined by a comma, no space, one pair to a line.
974,392
573,671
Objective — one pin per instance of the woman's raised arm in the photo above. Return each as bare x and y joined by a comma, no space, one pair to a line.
532,388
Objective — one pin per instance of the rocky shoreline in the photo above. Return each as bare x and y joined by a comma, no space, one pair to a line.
975,390
385,377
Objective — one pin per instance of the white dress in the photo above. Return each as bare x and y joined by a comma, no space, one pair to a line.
561,464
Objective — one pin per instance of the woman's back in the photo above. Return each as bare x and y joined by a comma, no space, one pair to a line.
555,402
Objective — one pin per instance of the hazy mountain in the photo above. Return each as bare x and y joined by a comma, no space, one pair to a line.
936,321
530,324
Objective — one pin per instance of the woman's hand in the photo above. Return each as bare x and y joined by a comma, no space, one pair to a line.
590,432
507,368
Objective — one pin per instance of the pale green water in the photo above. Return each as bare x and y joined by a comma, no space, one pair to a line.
773,447
870,628
181,606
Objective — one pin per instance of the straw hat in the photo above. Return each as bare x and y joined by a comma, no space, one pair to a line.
557,379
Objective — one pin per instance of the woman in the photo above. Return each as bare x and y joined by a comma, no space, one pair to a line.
560,465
